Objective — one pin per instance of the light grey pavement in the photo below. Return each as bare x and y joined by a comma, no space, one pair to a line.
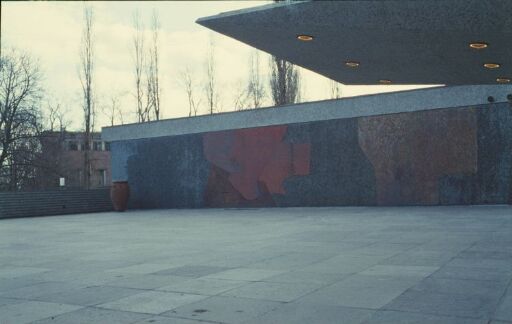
293,265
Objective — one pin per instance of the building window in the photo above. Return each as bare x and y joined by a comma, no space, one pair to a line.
80,175
102,177
97,146
72,146
107,146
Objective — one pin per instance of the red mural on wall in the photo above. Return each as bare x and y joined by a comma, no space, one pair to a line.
251,164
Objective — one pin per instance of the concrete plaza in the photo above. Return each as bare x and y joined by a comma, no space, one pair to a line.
291,265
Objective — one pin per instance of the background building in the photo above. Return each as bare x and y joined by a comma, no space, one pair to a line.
63,157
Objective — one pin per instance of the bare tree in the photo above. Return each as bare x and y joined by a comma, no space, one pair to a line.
255,88
210,86
284,82
86,80
147,83
335,90
112,110
55,115
20,94
241,96
52,115
153,75
139,58
188,84
284,79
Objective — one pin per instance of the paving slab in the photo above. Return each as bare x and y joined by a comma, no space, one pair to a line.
9,301
192,271
79,276
399,271
295,313
306,277
396,317
478,307
17,283
284,292
143,268
145,281
168,320
41,289
290,261
10,272
152,302
94,315
326,236
71,263
233,259
88,296
225,309
203,286
30,311
501,264
344,264
245,274
385,249
362,291
421,257
485,288
474,273
504,311
488,254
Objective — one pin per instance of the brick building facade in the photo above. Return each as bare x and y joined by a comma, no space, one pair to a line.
63,157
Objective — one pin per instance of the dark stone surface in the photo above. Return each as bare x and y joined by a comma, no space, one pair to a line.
168,172
411,152
448,156
492,183
456,189
54,202
494,177
340,173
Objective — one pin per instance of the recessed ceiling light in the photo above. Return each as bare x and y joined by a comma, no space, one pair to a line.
478,45
503,80
492,65
352,64
305,38
384,81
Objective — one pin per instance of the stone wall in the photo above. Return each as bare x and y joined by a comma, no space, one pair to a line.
457,155
54,202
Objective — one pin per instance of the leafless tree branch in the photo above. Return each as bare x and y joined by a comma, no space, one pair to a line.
86,80
20,116
210,87
188,84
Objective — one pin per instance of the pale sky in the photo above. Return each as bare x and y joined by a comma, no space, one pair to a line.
51,33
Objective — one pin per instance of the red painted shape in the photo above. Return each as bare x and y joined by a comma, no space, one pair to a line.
256,149
278,168
256,158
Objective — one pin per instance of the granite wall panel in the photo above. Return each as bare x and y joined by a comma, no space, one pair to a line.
494,177
168,172
410,152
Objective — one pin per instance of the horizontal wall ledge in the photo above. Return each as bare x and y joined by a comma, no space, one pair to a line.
371,105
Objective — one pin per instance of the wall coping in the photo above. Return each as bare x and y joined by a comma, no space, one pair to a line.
369,105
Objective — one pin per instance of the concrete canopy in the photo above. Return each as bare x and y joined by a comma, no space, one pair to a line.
403,41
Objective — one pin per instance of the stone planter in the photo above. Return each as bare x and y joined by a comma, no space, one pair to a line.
119,193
